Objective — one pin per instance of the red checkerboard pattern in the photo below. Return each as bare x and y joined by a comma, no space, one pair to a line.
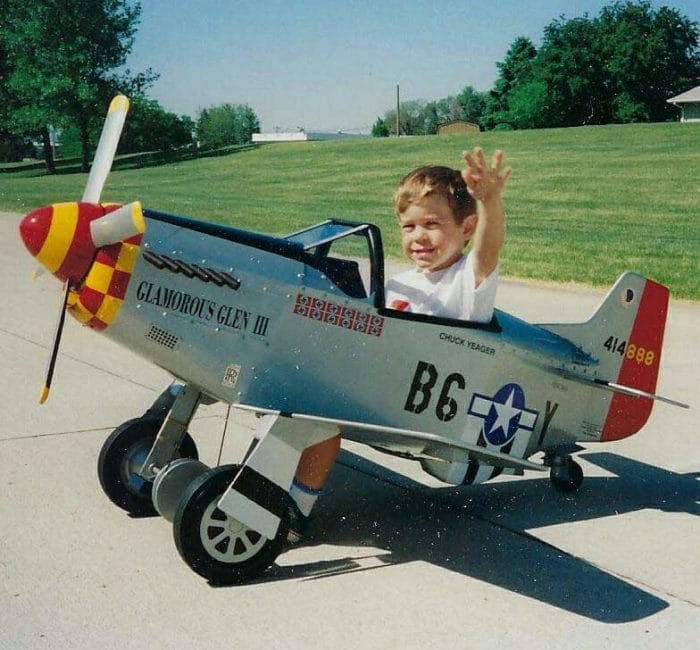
101,295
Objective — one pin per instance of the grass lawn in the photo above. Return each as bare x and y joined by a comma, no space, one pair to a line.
583,204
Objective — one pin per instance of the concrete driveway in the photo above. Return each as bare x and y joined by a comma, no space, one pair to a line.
393,559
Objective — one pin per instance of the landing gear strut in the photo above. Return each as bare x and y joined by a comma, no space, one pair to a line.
132,444
121,458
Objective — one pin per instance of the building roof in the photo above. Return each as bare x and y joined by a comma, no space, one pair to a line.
456,122
692,95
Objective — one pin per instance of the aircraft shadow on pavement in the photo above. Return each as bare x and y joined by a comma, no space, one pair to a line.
480,531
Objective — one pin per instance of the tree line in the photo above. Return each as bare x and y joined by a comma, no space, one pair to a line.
61,63
619,66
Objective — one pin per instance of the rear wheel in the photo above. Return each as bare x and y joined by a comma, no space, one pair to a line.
214,544
566,476
123,455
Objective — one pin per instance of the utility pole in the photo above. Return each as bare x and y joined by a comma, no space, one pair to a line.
398,111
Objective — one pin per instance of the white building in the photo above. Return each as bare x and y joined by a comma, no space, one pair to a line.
689,103
303,136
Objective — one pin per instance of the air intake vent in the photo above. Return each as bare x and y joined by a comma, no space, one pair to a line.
162,337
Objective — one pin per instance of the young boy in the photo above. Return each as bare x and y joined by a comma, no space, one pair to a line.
437,212
438,215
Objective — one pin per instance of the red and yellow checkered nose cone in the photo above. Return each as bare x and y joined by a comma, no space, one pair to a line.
58,236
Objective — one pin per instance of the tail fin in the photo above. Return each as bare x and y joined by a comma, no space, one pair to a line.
626,335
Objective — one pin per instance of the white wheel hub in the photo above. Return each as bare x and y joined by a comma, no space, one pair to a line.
226,539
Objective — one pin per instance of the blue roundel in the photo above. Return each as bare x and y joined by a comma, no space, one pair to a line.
503,419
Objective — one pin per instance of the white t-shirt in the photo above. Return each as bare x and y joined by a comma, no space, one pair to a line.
450,292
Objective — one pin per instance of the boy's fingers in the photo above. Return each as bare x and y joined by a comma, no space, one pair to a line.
468,159
504,175
478,170
497,159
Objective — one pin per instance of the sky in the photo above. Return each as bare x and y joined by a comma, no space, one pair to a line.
329,65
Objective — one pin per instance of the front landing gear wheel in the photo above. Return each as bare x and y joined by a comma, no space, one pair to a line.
566,476
214,544
122,456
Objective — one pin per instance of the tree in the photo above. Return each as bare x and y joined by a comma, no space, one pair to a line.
514,70
245,124
528,106
420,117
450,108
64,57
17,117
618,67
223,125
471,105
569,65
12,147
430,119
379,129
649,56
151,128
413,115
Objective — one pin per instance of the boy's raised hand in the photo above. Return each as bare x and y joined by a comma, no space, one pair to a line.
484,181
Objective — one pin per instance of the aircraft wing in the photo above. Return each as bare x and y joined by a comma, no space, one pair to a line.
394,438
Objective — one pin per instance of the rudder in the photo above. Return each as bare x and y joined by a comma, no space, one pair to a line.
626,335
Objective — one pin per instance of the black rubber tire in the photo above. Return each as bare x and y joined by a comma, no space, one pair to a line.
238,556
128,444
572,482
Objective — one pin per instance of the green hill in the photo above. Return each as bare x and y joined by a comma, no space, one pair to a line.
583,204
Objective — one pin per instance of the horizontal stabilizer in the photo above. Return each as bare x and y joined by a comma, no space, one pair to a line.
624,390
627,390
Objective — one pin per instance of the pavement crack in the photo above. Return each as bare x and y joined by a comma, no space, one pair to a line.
109,427
53,434
646,585
80,361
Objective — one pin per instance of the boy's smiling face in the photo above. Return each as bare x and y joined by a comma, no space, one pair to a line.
430,236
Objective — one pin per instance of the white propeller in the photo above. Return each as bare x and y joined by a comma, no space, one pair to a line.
123,222
106,148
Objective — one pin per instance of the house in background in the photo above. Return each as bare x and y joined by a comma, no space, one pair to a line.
689,103
457,126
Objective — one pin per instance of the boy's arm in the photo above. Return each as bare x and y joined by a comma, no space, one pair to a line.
485,183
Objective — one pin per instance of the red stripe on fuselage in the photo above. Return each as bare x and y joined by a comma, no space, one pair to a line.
628,414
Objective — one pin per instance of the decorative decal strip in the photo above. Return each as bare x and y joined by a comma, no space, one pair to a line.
219,278
334,314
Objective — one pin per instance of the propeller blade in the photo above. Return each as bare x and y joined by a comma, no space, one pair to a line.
54,346
120,224
106,148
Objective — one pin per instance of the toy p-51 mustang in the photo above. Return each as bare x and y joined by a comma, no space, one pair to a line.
289,329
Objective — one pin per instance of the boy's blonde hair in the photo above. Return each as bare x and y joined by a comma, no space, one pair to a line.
435,179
